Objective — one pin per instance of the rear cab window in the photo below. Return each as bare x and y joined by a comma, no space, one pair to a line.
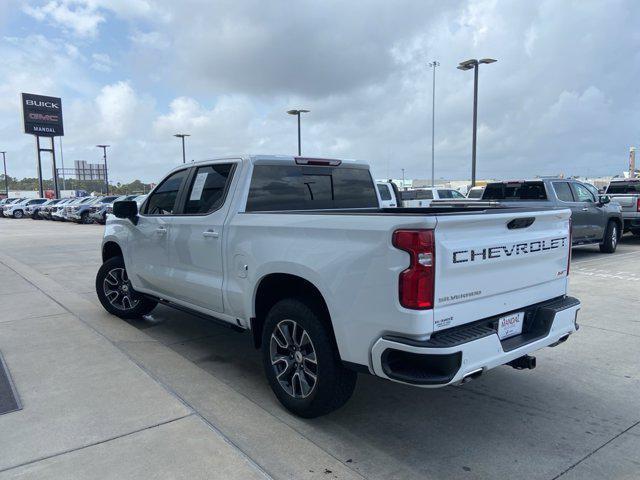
384,192
515,191
623,188
305,187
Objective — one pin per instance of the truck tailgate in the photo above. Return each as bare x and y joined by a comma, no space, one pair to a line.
496,263
627,202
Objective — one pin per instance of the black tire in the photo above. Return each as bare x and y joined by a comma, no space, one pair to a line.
611,237
635,232
18,214
135,307
333,384
84,218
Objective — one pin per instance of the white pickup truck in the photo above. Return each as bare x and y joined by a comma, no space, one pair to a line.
297,252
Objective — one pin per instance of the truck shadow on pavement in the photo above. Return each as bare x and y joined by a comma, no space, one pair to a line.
543,420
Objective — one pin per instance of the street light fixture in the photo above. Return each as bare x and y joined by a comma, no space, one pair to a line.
433,65
6,180
182,136
468,65
104,156
297,113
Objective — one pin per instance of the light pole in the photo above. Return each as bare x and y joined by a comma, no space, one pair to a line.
297,113
6,180
104,156
433,65
182,136
403,179
468,65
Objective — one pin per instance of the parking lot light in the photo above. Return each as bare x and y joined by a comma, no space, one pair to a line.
297,113
468,65
104,156
6,179
182,136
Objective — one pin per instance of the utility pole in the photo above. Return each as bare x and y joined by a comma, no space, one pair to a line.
104,156
468,65
182,136
297,113
6,179
433,65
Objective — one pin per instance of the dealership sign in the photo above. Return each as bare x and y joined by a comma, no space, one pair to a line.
42,115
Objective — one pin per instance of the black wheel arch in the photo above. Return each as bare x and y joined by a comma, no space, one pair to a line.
111,249
278,286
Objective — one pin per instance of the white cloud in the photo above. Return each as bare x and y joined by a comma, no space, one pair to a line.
81,18
101,62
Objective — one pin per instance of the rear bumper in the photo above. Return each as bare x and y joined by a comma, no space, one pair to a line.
452,354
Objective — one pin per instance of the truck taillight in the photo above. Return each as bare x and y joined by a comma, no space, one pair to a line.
417,283
570,244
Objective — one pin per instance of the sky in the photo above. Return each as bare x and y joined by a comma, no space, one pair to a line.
563,97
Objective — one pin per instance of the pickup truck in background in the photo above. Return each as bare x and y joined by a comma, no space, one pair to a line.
626,193
388,195
422,197
297,252
595,220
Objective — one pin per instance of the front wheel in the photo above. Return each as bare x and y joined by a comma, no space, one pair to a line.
611,237
301,361
116,294
18,214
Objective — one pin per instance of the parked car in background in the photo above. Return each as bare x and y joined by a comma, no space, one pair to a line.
34,209
140,199
101,209
62,213
80,213
388,194
298,252
475,193
595,220
8,202
46,212
19,209
422,197
626,193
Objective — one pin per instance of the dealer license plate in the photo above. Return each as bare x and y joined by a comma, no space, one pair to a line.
510,325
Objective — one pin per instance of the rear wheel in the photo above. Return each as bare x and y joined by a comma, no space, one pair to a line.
611,237
116,294
301,361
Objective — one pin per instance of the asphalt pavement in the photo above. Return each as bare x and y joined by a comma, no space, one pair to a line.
175,396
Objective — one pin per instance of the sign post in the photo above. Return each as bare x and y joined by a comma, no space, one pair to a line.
43,118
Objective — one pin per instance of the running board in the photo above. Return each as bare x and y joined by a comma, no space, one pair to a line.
195,313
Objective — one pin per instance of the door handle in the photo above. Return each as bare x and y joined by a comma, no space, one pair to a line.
210,233
161,230
585,209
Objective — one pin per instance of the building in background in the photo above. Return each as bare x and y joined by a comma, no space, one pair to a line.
89,171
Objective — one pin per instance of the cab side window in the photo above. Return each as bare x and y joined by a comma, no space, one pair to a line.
563,191
582,193
164,200
208,189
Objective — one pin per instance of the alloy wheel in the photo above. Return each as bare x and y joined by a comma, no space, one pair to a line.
118,290
293,358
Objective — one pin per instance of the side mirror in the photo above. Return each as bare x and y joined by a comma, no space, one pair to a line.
604,199
126,209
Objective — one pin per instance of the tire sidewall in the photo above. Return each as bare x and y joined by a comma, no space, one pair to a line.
326,354
143,307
